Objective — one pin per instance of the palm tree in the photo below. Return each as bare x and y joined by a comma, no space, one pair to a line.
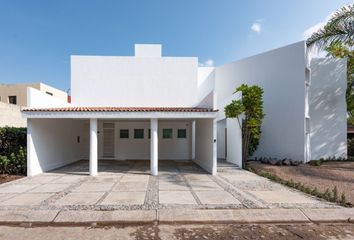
339,28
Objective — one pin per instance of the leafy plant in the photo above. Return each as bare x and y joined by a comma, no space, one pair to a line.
249,114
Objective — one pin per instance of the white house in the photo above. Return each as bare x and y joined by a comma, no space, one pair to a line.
152,107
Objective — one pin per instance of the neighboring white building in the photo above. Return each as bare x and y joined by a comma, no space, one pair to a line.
152,107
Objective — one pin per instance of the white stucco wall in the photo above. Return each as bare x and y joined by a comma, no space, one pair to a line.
206,147
10,115
327,104
281,74
134,81
52,143
139,149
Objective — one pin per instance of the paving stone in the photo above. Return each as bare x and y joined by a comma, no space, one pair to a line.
17,188
242,177
20,216
94,187
283,196
79,199
170,178
176,197
50,187
69,179
26,199
125,198
5,196
198,177
173,186
216,197
231,215
130,186
137,216
330,215
134,178
40,179
202,185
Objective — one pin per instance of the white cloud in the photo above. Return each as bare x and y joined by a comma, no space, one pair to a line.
256,27
207,63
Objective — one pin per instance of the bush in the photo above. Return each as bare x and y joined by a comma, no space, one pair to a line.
13,150
350,148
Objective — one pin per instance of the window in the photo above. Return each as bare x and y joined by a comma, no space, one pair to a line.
139,133
49,93
12,99
181,133
149,133
167,133
124,133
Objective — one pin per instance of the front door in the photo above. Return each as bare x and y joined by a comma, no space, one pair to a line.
108,140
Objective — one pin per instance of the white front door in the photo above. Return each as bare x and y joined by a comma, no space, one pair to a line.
108,140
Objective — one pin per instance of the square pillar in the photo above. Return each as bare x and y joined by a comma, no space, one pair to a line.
93,147
154,147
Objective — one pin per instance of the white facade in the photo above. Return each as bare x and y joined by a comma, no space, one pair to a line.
172,96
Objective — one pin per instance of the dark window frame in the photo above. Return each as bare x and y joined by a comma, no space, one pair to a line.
11,98
164,136
139,133
184,135
122,133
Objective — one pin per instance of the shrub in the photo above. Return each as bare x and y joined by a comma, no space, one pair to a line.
350,147
13,150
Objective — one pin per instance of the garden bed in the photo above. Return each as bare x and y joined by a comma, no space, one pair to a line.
8,178
327,176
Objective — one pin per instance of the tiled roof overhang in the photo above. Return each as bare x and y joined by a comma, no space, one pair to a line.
120,109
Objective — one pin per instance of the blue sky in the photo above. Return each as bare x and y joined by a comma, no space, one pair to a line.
37,37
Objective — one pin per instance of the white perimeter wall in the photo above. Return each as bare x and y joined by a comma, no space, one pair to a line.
10,115
134,81
206,149
39,99
281,74
52,143
139,149
328,116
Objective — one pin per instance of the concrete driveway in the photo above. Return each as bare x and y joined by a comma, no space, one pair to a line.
127,185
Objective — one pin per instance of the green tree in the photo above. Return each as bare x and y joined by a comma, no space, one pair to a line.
339,28
249,114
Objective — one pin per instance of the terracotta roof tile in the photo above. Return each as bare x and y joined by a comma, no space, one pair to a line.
119,109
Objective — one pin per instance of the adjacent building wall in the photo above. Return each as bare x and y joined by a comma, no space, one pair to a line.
10,115
52,143
281,74
39,99
327,104
20,91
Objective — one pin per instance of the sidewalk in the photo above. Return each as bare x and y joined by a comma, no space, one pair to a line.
167,216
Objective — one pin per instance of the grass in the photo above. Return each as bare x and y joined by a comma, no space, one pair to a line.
330,195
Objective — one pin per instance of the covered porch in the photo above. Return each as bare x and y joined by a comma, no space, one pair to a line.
58,137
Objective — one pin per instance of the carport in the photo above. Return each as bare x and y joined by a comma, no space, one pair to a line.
60,136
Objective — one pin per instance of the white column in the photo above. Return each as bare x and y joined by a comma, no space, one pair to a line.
193,139
154,147
93,147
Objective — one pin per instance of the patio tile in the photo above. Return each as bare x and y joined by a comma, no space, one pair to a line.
130,186
175,186
198,177
94,187
216,197
50,187
40,179
117,198
242,176
176,197
79,199
5,196
17,188
203,185
26,199
69,179
283,196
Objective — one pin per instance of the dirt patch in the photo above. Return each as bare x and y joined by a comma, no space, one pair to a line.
326,176
8,178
